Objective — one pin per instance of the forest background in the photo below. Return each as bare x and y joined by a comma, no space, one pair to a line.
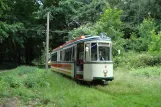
133,25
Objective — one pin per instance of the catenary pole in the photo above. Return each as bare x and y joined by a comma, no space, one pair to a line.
47,42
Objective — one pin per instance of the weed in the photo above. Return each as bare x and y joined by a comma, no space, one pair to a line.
12,81
4,88
30,82
132,88
22,70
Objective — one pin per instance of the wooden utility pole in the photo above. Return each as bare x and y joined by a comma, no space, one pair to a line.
47,42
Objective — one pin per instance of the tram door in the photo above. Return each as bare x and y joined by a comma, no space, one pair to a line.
79,55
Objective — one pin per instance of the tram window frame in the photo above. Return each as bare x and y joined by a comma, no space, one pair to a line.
87,50
73,53
54,56
62,55
107,55
66,54
94,56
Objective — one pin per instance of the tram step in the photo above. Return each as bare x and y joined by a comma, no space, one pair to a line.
79,76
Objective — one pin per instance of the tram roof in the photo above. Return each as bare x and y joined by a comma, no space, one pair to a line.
83,39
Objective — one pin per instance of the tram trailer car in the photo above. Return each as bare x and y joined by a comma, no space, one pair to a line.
87,58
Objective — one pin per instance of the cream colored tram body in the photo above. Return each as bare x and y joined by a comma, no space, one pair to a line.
87,58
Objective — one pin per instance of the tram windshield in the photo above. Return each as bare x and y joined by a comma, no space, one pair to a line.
100,52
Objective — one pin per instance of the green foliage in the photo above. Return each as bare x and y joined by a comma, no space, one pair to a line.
4,88
22,24
23,93
155,44
140,41
110,23
12,81
16,17
146,27
126,89
148,71
6,29
118,45
36,80
82,30
30,82
90,11
26,70
148,40
132,60
145,32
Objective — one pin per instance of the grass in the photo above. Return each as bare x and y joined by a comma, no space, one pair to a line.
31,86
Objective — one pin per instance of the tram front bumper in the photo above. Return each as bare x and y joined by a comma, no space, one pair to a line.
103,78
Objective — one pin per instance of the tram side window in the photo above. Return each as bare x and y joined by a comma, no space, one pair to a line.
68,54
54,57
93,51
62,55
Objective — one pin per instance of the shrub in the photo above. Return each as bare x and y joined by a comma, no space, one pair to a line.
155,44
134,60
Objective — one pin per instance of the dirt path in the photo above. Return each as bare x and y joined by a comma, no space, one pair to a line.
9,102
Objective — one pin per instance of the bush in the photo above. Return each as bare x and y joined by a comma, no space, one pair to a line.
134,60
155,44
151,60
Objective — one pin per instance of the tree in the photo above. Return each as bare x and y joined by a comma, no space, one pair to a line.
135,11
17,16
140,41
110,23
67,15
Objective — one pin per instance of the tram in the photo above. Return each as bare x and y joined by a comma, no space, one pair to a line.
87,58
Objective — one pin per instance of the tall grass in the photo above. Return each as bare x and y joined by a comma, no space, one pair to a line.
37,88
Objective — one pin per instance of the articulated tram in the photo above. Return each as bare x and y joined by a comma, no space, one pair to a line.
87,58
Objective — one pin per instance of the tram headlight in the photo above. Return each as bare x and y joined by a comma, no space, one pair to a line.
87,49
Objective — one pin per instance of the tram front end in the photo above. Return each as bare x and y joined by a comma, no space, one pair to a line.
98,65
